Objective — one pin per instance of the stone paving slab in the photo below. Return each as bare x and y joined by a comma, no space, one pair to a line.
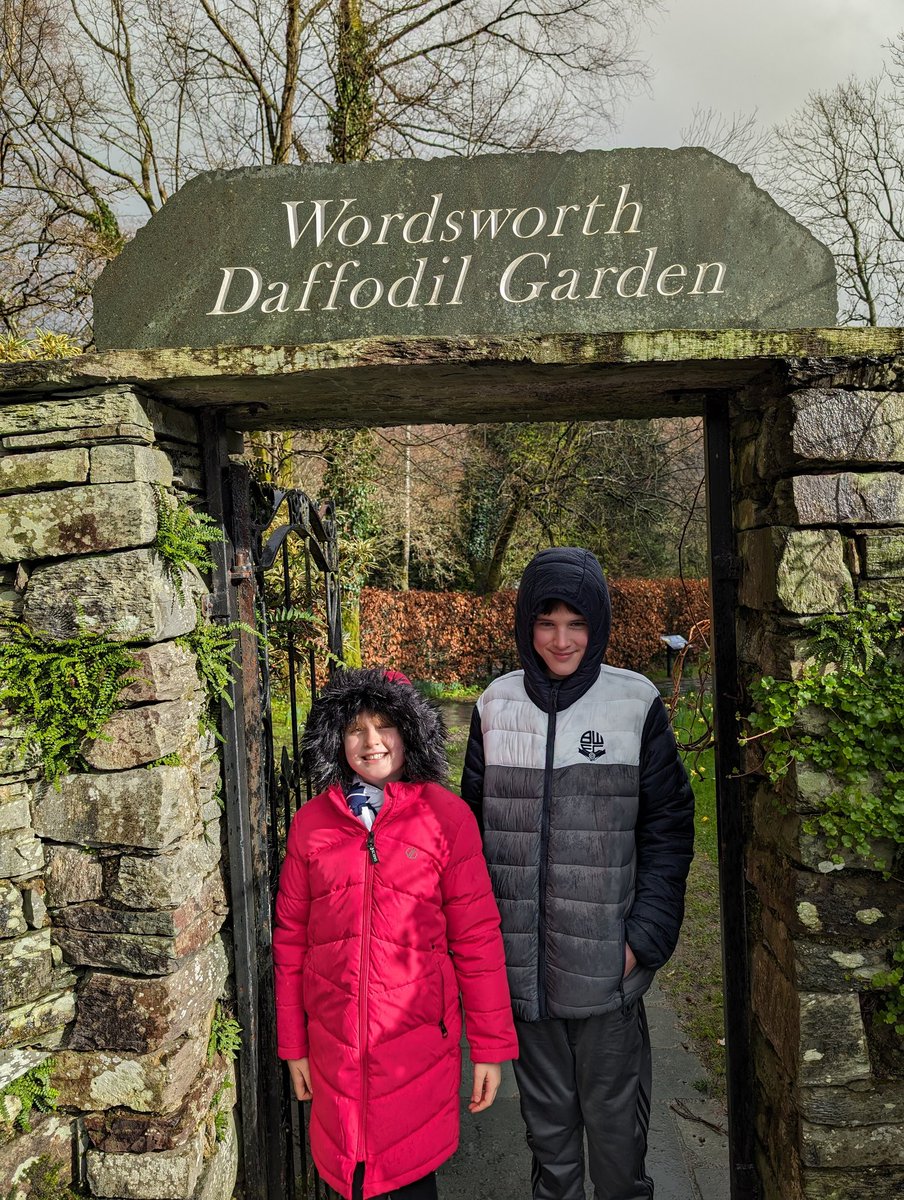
687,1159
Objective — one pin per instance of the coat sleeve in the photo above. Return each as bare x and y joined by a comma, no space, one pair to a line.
472,929
472,776
665,843
290,947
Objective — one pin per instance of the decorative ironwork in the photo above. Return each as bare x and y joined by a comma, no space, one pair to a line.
295,560
275,574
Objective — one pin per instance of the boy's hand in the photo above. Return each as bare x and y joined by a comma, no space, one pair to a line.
487,1078
630,960
300,1074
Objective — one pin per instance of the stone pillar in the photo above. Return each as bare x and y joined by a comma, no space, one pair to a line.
111,886
820,513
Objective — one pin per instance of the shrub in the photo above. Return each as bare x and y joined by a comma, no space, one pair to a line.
460,638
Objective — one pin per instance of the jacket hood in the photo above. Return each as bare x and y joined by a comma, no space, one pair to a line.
575,576
345,697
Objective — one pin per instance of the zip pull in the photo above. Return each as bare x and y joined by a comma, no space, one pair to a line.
371,848
442,1028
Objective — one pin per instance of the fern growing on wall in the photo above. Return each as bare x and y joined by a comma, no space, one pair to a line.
34,1092
225,1035
61,693
212,645
184,537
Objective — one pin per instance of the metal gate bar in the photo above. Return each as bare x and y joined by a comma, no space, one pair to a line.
261,794
286,784
225,603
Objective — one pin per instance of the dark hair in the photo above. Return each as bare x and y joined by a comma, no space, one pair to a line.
553,603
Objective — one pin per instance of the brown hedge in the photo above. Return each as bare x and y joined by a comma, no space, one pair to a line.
457,637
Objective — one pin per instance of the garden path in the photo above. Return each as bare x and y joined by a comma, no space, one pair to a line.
687,1158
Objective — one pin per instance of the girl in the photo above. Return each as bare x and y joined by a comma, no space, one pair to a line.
384,914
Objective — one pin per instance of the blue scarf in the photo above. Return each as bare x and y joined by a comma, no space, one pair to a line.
365,801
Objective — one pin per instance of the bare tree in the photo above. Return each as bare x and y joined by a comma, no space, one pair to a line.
838,166
106,107
738,137
629,490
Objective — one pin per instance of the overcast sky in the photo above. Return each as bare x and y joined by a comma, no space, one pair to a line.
740,55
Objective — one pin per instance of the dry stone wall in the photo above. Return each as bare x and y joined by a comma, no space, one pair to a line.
820,514
111,881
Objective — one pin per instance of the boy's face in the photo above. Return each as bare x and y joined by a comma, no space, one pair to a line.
374,749
560,638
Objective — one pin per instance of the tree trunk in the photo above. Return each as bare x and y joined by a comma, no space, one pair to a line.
492,580
406,532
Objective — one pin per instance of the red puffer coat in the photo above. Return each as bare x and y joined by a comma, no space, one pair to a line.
375,935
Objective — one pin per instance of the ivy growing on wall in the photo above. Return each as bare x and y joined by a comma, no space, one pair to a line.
61,693
844,716
892,980
852,691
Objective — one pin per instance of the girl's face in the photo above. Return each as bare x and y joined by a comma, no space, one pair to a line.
374,749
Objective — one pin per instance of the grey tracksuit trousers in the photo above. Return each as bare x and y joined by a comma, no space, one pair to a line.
590,1074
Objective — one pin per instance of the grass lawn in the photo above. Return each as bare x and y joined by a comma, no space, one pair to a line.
457,715
280,714
459,692
692,979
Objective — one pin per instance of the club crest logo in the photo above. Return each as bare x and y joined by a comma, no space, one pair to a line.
592,745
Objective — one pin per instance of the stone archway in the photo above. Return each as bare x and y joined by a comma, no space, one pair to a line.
806,436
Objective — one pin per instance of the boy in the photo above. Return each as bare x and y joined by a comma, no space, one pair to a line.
587,816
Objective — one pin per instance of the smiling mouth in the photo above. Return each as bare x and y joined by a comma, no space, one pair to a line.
374,757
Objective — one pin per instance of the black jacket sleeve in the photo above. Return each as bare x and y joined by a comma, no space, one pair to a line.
472,776
665,843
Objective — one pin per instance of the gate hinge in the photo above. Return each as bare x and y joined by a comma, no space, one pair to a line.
242,569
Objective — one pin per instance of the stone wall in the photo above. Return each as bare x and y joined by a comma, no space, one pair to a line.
111,883
820,514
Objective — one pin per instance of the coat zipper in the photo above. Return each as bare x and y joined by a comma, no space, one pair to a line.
442,1001
544,847
363,975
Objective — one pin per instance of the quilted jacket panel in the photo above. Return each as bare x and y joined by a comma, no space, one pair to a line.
370,959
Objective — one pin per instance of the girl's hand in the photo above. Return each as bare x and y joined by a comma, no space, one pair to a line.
300,1074
487,1078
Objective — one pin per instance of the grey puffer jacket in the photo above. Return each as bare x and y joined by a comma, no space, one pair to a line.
585,808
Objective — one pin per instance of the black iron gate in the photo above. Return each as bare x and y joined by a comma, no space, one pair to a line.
277,575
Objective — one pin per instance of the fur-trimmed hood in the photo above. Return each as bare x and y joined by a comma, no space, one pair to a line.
345,697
